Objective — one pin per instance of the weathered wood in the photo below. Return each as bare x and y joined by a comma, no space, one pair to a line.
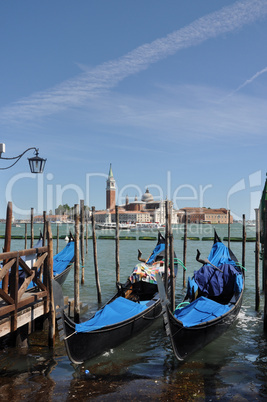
229,228
7,241
257,261
44,228
52,314
265,267
82,238
76,265
117,241
25,246
244,237
32,230
185,249
6,268
98,288
14,282
86,235
29,251
57,238
166,266
172,276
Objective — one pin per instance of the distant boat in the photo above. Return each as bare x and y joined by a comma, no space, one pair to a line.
147,226
112,225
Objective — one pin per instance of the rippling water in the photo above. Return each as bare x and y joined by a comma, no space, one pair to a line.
231,368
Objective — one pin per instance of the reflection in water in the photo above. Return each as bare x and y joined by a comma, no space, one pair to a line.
231,368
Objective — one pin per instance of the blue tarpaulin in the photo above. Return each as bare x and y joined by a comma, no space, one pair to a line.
63,259
199,311
119,310
157,250
213,282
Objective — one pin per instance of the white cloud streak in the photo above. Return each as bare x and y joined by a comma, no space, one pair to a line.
74,92
249,81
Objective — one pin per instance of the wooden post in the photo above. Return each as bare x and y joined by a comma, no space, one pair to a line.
265,266
32,230
7,243
76,265
185,249
117,244
257,261
172,276
166,266
86,235
57,238
244,236
25,244
52,314
82,238
229,228
44,229
95,257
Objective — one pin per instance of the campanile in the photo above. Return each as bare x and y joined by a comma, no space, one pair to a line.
110,190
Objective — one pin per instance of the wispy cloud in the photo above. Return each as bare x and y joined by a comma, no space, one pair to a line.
249,81
74,92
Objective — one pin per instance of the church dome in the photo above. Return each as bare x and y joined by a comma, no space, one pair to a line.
147,197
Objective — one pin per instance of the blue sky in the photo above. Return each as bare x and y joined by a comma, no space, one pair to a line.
172,93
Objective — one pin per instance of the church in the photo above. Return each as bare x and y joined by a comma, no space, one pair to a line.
138,211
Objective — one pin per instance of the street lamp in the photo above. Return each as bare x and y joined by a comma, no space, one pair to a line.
36,163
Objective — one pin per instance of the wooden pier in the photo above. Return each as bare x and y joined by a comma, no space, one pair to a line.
19,307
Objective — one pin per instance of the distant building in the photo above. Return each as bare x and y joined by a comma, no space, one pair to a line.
205,215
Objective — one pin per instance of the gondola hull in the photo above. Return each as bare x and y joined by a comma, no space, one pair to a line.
83,346
186,341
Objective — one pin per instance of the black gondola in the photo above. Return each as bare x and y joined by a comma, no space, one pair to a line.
213,301
133,308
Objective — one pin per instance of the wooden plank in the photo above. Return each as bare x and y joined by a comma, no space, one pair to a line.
6,268
40,260
29,251
6,297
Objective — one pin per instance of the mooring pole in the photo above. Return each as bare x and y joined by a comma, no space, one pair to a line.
257,261
86,234
229,228
44,229
76,265
57,238
172,276
117,244
185,248
167,239
7,243
265,266
52,314
82,238
32,231
25,244
244,237
95,257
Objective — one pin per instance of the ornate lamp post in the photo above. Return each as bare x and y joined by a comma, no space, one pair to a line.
36,163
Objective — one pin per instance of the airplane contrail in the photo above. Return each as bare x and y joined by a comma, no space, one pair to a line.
75,91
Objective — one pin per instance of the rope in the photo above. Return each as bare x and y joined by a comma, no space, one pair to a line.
240,266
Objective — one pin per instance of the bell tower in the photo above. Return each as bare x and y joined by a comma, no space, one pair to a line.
110,190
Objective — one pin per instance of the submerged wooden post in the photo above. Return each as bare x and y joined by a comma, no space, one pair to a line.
244,236
229,228
52,314
32,231
117,244
76,265
257,261
265,266
167,255
25,243
82,238
185,249
7,243
95,257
